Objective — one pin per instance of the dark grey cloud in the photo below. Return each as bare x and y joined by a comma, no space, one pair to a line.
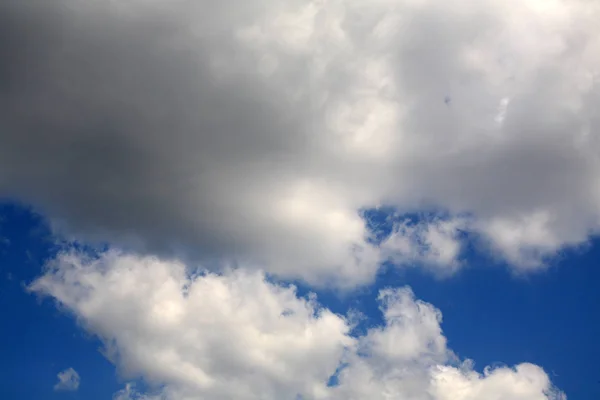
109,126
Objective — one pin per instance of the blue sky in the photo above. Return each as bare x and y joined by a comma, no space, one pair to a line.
549,318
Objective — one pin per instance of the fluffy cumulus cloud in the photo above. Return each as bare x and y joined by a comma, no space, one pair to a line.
67,380
199,335
255,132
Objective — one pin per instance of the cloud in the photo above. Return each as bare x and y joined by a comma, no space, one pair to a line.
255,133
196,335
432,242
67,380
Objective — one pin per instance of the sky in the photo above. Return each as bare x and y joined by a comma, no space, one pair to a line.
327,199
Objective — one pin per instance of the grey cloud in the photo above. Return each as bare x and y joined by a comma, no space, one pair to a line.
111,131
257,132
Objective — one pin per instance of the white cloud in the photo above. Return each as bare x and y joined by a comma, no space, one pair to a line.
205,334
255,133
433,242
200,335
67,380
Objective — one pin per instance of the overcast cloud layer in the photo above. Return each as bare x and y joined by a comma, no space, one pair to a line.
237,336
256,130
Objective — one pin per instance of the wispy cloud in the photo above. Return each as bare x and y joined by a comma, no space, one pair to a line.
67,380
